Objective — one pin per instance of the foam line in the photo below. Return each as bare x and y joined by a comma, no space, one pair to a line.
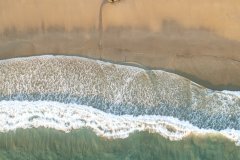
67,117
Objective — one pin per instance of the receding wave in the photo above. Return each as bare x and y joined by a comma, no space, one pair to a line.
118,90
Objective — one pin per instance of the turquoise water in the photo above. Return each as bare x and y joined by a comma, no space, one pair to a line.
41,144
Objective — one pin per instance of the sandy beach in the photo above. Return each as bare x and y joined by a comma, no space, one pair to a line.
196,39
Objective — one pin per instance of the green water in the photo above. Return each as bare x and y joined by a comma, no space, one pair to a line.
42,144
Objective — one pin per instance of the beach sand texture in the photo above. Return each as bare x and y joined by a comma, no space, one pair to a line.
197,39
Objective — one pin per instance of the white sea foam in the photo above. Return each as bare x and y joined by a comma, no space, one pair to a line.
67,117
235,93
131,90
113,83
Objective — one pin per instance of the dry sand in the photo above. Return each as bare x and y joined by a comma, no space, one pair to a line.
197,39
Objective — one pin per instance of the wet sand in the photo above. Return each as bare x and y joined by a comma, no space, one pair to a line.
198,40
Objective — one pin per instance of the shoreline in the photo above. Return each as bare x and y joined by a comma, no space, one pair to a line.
191,77
198,40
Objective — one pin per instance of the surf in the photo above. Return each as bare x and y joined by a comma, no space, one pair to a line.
69,117
117,90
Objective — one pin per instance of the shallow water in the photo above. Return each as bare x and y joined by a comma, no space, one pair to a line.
84,144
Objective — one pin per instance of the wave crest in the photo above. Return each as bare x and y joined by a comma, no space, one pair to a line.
67,117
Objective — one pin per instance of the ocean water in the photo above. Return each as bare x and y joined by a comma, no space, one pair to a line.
64,107
45,143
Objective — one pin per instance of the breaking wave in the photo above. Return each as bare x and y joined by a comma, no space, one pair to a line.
57,92
67,117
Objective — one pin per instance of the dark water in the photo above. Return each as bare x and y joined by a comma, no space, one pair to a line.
42,144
